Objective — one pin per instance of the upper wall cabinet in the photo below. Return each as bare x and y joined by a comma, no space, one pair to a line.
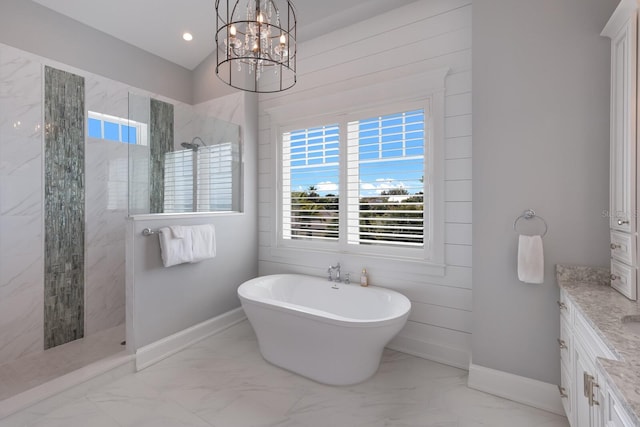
622,29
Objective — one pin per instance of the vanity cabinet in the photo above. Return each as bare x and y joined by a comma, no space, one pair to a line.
622,29
581,383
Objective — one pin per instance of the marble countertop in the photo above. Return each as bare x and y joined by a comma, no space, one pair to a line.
603,307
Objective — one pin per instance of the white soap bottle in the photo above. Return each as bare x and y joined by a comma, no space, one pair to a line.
364,280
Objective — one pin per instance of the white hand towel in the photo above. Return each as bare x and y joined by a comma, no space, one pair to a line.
179,231
204,242
530,259
175,250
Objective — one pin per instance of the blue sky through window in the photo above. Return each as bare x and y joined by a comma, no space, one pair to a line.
112,128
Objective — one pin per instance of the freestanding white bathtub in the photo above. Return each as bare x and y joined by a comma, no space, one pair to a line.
333,336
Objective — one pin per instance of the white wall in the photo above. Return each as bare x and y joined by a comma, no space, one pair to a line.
32,27
425,35
540,128
206,85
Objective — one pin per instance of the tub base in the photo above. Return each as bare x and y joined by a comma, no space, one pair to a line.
326,353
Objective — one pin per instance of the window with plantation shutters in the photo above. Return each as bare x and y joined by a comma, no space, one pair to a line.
385,170
359,182
178,181
310,181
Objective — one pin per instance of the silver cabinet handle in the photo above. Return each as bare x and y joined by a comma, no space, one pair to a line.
613,246
562,343
589,385
563,392
621,222
562,305
614,277
594,384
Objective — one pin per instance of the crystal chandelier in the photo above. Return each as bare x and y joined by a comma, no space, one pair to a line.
256,44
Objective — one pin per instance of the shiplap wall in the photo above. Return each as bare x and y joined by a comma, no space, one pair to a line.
425,35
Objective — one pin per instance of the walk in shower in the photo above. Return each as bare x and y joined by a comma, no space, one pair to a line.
63,201
78,155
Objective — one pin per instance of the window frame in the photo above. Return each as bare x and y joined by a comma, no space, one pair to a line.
141,129
432,251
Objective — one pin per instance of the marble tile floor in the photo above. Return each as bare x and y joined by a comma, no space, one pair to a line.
38,368
223,381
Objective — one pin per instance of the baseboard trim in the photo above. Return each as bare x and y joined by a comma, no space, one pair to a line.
524,390
430,351
161,349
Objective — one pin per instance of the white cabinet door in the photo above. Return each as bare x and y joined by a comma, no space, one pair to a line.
623,128
582,367
567,392
587,411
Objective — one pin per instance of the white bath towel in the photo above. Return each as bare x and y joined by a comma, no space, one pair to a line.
204,242
530,259
174,249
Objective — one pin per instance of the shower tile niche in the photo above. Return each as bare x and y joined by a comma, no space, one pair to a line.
64,207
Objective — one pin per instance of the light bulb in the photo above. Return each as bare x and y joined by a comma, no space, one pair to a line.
260,18
283,39
232,30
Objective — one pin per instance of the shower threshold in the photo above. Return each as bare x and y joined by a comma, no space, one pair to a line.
38,376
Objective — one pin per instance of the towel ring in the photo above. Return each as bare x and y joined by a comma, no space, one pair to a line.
530,214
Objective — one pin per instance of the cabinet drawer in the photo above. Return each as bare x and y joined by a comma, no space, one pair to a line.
623,279
592,344
566,308
623,247
615,414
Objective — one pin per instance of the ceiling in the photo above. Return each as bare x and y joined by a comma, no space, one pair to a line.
157,25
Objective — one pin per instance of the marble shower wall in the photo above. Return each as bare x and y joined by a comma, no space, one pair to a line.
22,205
21,215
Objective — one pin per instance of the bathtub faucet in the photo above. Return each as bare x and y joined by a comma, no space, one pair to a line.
333,268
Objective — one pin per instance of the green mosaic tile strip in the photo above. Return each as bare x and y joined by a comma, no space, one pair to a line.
64,207
161,141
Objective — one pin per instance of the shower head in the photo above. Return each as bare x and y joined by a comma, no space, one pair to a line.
197,138
189,146
193,145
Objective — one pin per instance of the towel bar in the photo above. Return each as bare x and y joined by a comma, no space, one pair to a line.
530,214
150,232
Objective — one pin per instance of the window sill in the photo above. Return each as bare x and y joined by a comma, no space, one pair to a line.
408,265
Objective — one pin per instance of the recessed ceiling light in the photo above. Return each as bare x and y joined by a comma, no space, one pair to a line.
187,36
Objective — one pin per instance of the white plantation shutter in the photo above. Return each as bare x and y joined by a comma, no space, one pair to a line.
310,179
178,181
215,177
385,172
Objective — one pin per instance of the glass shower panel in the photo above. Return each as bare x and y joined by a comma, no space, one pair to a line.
181,160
